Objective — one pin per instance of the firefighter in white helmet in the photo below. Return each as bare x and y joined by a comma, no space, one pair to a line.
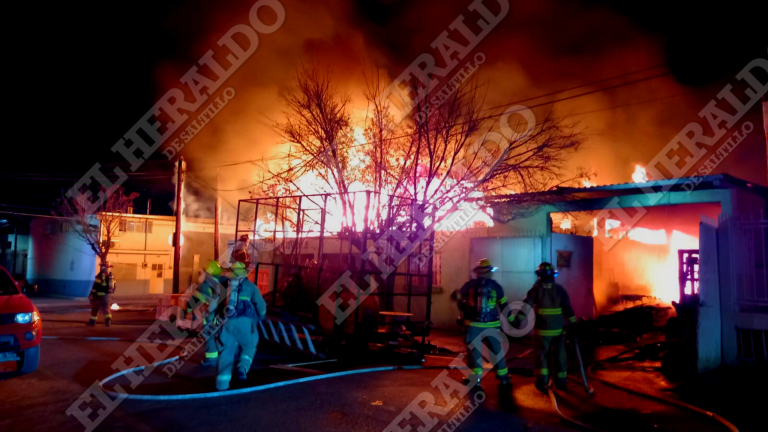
244,306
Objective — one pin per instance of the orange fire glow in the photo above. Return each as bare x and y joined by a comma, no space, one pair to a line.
664,276
639,176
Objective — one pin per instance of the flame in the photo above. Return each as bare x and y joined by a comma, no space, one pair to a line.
566,224
664,277
644,235
114,307
639,176
587,183
336,221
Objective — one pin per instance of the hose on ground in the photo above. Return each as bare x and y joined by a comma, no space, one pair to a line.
590,370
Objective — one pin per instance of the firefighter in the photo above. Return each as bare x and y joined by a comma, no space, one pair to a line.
206,298
244,306
553,311
103,286
480,301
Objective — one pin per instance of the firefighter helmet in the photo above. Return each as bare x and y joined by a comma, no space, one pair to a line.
213,268
239,269
546,271
484,266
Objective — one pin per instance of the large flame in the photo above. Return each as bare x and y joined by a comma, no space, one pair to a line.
664,277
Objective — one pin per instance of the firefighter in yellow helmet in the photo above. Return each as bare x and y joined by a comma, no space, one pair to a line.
204,303
103,287
480,301
244,306
553,311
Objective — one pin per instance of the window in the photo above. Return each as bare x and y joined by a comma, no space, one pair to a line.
158,269
138,226
751,345
437,270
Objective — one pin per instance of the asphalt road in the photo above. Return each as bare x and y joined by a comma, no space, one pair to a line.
364,402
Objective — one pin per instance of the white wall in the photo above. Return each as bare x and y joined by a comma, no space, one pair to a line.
457,261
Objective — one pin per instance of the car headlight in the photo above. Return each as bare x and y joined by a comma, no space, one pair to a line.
24,318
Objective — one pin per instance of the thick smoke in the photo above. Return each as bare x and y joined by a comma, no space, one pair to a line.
540,47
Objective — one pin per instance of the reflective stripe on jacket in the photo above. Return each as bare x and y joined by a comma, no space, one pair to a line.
100,287
553,307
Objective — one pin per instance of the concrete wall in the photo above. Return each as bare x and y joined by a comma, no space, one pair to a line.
709,332
135,254
59,261
742,204
578,278
18,245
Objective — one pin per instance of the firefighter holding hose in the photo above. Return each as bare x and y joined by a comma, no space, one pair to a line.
244,306
480,301
553,313
103,287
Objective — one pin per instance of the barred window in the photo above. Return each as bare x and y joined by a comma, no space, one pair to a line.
137,226
437,269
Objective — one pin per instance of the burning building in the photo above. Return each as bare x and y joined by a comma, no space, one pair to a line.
611,263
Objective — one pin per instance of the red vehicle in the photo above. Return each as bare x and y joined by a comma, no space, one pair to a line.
21,328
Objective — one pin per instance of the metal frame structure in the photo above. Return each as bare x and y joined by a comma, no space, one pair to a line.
688,267
315,237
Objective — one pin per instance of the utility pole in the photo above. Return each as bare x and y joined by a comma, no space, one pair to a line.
216,219
177,234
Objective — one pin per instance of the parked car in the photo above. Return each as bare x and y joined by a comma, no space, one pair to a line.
21,328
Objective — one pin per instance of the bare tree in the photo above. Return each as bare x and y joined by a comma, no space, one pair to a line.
453,152
437,156
98,229
319,127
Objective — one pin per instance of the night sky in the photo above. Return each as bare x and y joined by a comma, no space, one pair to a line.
80,75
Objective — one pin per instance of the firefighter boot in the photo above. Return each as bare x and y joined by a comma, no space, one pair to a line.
505,385
91,322
242,374
107,322
561,384
542,383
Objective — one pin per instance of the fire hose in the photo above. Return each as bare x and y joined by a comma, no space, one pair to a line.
730,426
590,370
552,396
589,390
